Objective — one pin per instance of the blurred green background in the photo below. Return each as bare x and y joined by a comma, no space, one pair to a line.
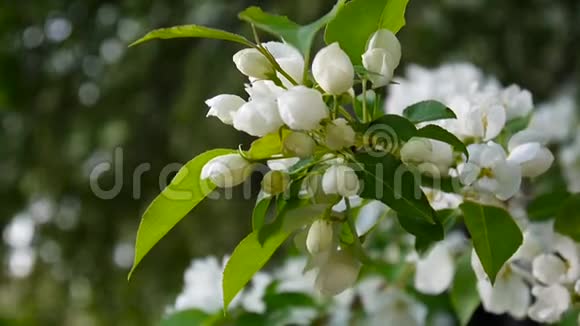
71,92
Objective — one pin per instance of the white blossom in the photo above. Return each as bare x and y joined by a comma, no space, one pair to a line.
264,89
289,59
341,180
336,274
556,119
282,164
382,56
551,303
224,107
434,272
339,134
517,102
302,108
533,158
509,294
393,307
203,287
548,268
320,237
252,63
227,170
481,119
333,70
299,144
258,117
430,156
489,170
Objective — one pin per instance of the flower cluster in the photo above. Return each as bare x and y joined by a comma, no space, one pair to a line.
389,183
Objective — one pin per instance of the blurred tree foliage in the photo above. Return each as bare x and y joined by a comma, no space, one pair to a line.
71,92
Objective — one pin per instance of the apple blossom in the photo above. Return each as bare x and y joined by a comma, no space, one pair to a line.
252,63
339,134
275,182
489,170
517,102
382,56
320,237
333,70
226,171
533,158
258,117
341,180
224,107
551,303
302,108
298,144
289,59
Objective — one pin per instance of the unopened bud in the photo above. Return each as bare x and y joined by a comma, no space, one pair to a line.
299,144
320,237
275,182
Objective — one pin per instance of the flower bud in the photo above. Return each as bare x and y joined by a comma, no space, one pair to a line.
339,134
333,70
533,158
312,186
382,56
252,63
227,170
258,118
320,237
416,150
275,182
289,59
341,180
337,274
302,108
298,144
224,106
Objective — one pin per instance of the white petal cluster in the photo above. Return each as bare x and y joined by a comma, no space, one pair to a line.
224,107
258,117
333,70
528,151
340,180
537,281
339,134
430,156
302,108
489,170
382,56
227,171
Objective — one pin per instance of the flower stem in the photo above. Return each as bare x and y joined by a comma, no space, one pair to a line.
275,63
364,103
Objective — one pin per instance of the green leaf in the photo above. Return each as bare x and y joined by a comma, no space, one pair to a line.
547,206
260,211
387,179
267,146
255,250
194,31
445,184
425,233
390,130
184,192
440,134
297,35
495,235
428,111
464,296
359,19
185,318
248,258
568,219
